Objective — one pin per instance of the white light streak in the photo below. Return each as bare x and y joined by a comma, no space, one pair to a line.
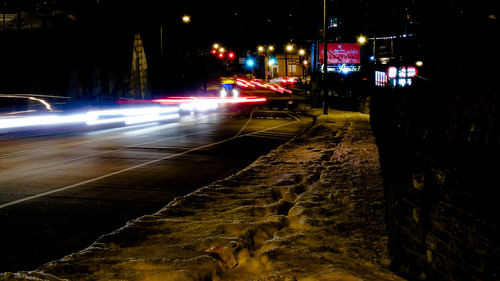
46,104
123,115
150,118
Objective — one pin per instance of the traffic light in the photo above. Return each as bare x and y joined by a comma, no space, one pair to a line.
250,62
214,51
221,55
303,60
231,55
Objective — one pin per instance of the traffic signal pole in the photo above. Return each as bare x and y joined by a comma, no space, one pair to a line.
286,64
325,61
161,59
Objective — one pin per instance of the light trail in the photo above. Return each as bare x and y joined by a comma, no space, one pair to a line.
129,116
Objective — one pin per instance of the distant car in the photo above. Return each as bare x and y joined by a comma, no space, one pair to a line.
229,88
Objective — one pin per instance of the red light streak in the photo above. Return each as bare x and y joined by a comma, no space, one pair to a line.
180,100
241,84
254,84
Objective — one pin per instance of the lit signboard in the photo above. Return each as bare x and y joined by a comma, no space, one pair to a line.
392,71
380,78
396,78
344,68
341,53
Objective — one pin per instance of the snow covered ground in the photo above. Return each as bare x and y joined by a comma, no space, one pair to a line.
312,209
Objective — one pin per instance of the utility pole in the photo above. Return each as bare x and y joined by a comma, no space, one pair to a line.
19,20
286,64
161,59
325,61
4,9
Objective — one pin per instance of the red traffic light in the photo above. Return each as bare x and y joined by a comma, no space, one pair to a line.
231,55
221,55
214,51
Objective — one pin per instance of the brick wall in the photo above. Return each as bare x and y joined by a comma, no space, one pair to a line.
440,159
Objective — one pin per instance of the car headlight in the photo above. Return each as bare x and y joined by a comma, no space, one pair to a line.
223,93
235,93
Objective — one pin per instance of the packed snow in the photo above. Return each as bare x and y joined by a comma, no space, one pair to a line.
312,209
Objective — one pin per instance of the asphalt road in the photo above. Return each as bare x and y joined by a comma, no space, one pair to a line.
60,191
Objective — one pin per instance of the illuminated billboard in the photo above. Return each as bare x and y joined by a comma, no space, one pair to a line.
341,53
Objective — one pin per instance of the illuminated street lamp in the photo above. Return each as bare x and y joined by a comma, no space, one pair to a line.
266,52
289,47
362,39
186,19
302,52
419,63
216,46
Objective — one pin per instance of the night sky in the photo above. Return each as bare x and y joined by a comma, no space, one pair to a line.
238,23
446,31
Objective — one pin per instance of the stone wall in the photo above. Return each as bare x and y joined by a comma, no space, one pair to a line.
440,155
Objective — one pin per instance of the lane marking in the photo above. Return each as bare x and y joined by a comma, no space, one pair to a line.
293,116
245,125
15,202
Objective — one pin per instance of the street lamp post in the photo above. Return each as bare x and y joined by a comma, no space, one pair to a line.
302,61
286,65
161,59
304,68
325,61
289,48
4,8
186,19
262,50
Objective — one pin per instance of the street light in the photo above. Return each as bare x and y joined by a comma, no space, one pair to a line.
216,46
302,52
362,39
325,60
186,19
265,51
